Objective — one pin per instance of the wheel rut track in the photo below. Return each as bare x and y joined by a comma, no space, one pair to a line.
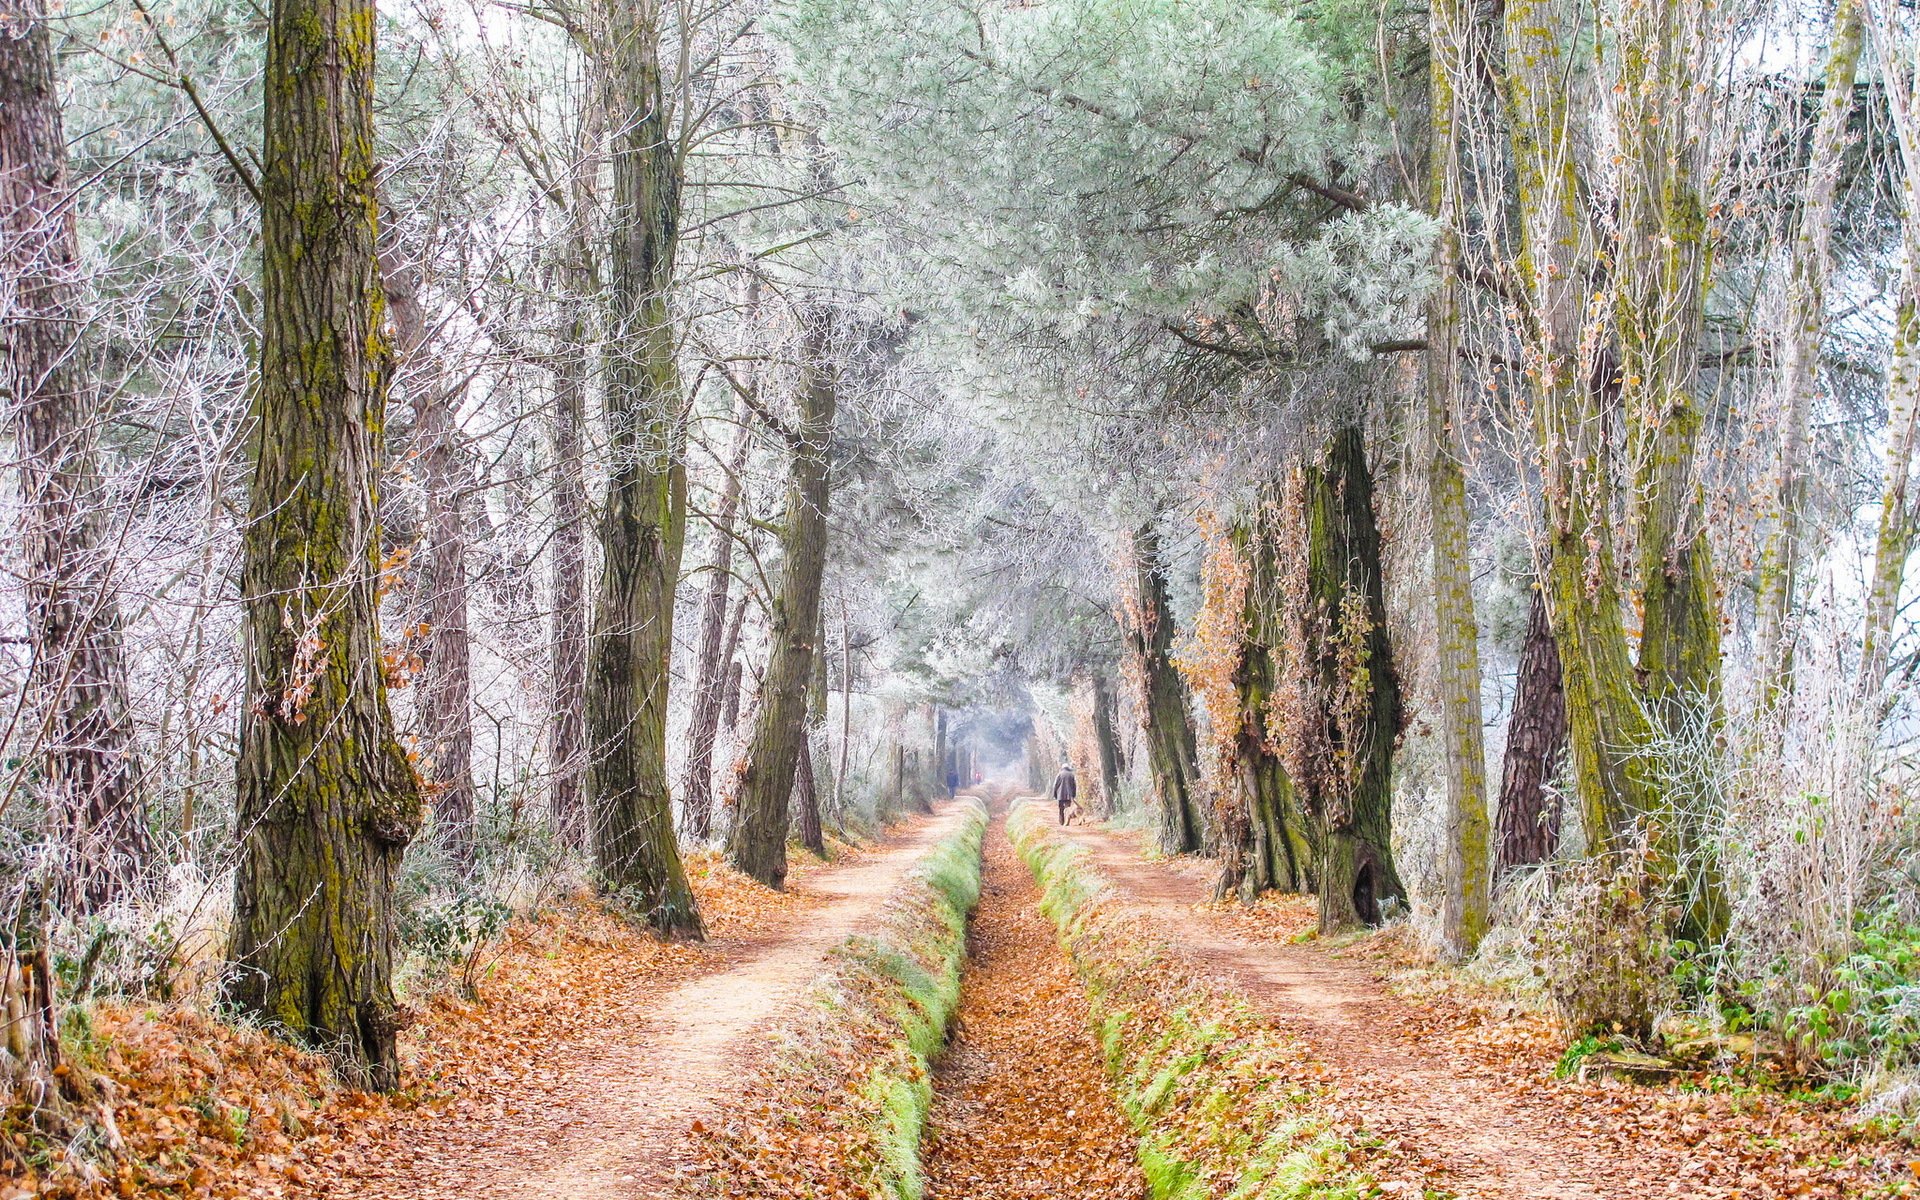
1480,1143
615,1120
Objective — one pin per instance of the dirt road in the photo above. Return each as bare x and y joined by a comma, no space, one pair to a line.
611,1112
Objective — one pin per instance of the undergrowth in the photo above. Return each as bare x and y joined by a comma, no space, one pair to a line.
842,1109
1224,1105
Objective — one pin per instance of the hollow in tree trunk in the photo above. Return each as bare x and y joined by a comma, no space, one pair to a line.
326,800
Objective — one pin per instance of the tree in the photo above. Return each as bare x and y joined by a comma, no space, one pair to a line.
1529,817
1172,756
643,517
759,844
1806,325
444,705
1464,899
326,798
716,652
82,736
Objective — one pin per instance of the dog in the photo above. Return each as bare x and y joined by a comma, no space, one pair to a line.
1074,814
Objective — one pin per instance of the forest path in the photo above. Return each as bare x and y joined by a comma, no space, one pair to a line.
1477,1135
612,1113
1021,1106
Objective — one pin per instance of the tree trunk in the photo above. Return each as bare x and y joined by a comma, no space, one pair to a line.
567,722
643,520
1606,725
940,751
1465,895
806,791
326,801
1105,745
714,660
1897,523
1536,736
846,712
1658,281
444,712
82,729
1168,723
1359,688
1806,326
759,844
730,699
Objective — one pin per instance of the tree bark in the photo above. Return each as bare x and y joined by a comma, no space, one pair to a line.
1659,276
1464,896
714,659
1606,725
82,733
567,721
1109,754
444,711
1806,326
643,519
806,791
1536,737
1895,537
326,799
759,844
1359,689
1173,756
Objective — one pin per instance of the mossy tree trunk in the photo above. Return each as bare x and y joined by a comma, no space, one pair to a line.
1351,661
1265,841
326,799
1529,823
759,843
1172,753
715,654
1660,265
1606,725
806,784
81,728
1465,891
643,518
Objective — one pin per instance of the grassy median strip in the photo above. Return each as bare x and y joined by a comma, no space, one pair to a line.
841,1111
1225,1106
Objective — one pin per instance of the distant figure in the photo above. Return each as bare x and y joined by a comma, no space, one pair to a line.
1065,789
953,781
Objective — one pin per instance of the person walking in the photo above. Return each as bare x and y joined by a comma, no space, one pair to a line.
1065,788
953,780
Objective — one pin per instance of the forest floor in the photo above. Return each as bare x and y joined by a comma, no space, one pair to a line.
611,1103
1464,1086
1021,1104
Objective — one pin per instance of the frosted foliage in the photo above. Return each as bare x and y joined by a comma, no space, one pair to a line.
1156,170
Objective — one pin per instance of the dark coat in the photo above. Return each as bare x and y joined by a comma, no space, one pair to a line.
1065,787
